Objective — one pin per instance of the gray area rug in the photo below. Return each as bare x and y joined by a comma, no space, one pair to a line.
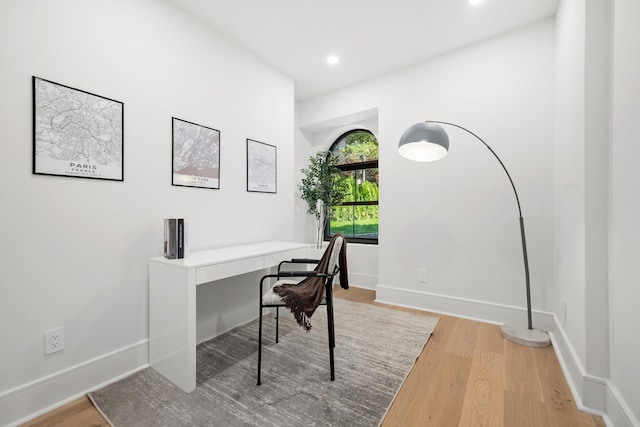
375,349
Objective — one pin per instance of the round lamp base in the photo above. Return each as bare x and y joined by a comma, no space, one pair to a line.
522,335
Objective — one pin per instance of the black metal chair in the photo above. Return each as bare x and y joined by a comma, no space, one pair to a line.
270,299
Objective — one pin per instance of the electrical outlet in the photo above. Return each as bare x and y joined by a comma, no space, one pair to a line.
422,275
53,341
564,308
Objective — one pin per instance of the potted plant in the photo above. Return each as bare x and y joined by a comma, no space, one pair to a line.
322,188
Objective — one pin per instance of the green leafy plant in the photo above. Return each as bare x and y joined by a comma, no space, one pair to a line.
322,182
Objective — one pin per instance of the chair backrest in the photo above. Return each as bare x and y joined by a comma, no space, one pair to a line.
335,252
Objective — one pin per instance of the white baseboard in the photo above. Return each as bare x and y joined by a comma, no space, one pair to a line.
362,280
589,392
45,394
592,394
618,412
463,307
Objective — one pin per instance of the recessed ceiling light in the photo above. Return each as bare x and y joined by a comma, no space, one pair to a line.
475,2
332,60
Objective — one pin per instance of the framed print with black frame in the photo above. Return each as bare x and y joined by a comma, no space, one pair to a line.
195,155
261,167
76,133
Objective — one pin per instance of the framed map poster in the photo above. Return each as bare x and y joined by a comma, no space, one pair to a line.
76,133
196,155
261,167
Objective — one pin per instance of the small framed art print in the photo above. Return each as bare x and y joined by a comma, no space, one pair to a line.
261,167
196,155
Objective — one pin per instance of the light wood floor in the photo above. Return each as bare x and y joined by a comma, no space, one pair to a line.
467,375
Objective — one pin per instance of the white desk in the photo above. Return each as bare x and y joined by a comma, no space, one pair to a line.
172,299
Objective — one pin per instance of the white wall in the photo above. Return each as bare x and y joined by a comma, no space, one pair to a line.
458,217
581,165
582,194
597,134
625,210
596,205
75,251
305,224
569,171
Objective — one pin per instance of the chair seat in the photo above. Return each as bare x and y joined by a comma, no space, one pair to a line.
271,298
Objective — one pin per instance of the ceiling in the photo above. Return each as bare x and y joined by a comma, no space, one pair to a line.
371,37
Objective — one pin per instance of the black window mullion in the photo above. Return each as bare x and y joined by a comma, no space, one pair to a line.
372,202
373,164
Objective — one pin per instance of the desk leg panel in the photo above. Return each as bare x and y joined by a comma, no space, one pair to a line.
172,323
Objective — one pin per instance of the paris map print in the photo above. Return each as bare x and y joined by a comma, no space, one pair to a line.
76,133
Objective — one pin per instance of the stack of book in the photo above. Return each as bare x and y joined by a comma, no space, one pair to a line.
174,238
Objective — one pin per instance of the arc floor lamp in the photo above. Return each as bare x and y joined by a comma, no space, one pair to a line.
428,141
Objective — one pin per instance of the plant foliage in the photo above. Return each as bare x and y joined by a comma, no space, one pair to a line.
322,181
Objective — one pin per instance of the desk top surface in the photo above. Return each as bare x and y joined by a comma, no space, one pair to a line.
229,254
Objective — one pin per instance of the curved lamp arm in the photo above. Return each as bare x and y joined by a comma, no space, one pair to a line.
492,152
522,235
427,141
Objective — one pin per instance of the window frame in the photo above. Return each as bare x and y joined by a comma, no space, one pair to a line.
346,167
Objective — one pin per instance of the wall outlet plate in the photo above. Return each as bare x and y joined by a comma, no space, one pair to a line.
53,341
422,275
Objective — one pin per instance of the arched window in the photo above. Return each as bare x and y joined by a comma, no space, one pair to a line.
357,217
